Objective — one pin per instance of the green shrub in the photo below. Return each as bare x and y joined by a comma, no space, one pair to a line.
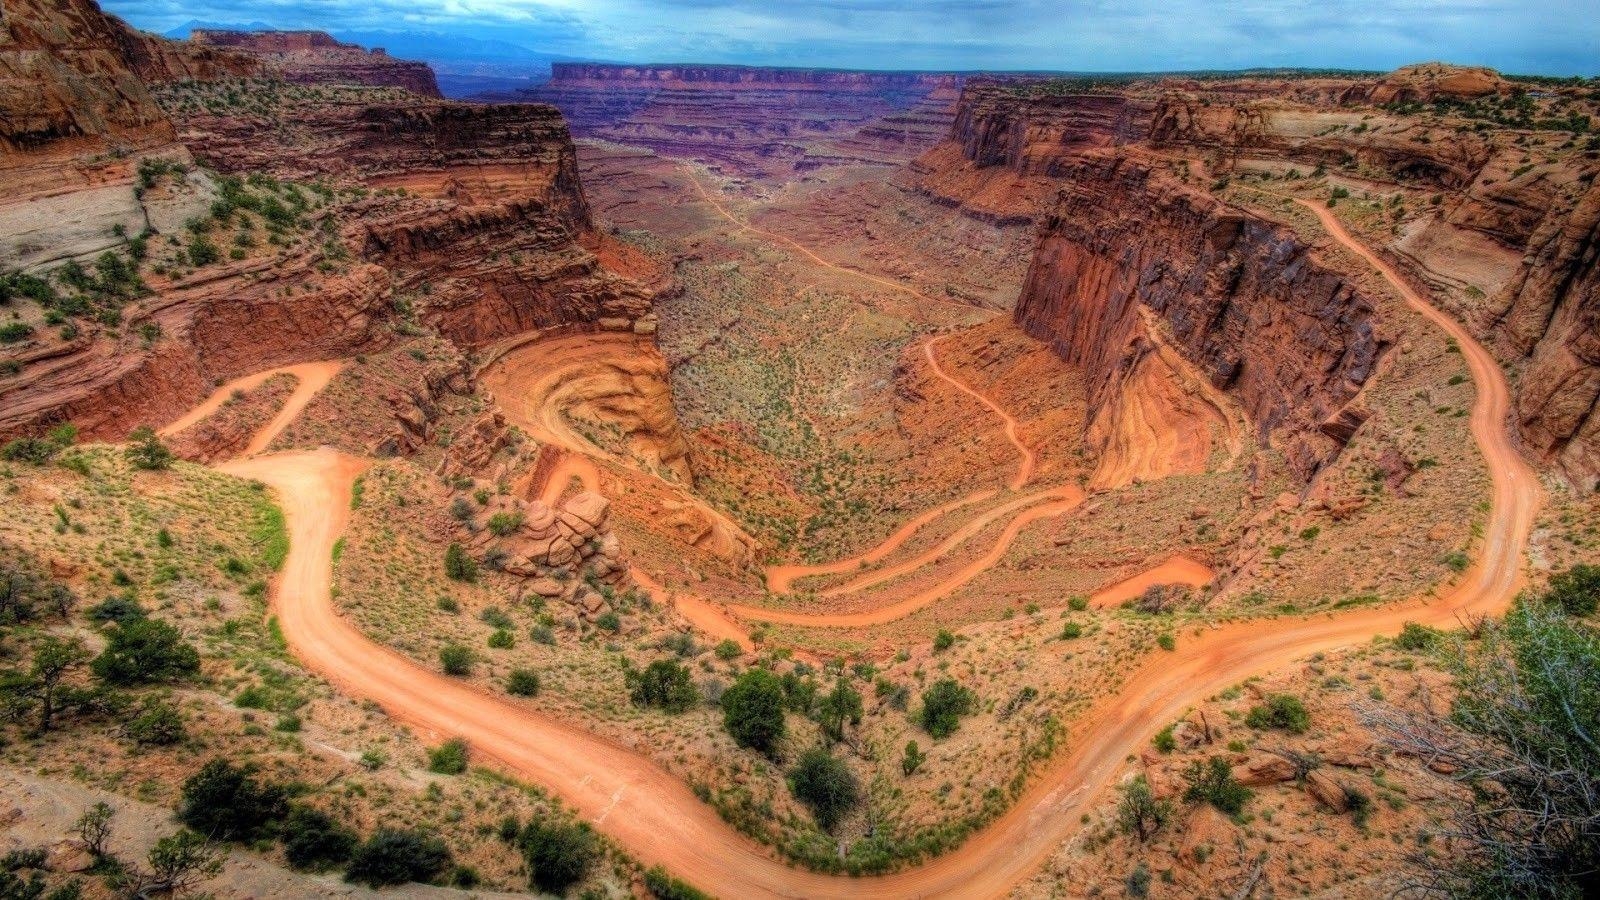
157,724
1576,591
1212,782
943,705
502,639
664,684
146,651
1282,711
228,803
504,523
313,840
608,621
912,759
523,683
1164,742
663,886
391,857
752,710
728,650
1416,637
558,854
1071,631
449,758
459,565
943,641
841,706
120,609
146,451
1167,641
455,659
824,783
1078,603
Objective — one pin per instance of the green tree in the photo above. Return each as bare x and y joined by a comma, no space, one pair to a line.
459,564
146,651
943,705
1212,782
842,706
229,803
523,683
558,854
1139,812
663,684
912,759
752,710
146,451
44,687
824,783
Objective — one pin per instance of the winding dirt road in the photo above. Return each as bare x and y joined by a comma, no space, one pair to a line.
661,822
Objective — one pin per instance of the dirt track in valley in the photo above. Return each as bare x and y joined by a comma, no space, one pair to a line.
659,820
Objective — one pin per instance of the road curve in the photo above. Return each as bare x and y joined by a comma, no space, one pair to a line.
652,814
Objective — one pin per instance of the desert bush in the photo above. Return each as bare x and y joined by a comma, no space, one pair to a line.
459,564
157,724
912,759
840,707
824,783
313,840
663,886
1576,591
229,803
558,854
146,451
664,684
943,705
728,650
449,758
1284,712
391,856
1212,781
752,710
1416,637
455,659
144,652
1139,812
523,683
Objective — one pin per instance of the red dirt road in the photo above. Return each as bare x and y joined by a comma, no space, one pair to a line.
660,821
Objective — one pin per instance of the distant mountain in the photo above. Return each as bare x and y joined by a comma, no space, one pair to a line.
465,65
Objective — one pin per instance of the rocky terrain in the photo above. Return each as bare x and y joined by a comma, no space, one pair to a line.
816,482
755,120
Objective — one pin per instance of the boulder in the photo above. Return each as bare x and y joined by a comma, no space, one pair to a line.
1326,791
1259,769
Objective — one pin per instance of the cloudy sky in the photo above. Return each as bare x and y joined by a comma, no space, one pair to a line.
1525,36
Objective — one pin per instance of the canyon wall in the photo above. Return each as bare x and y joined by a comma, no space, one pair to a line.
1507,244
756,120
314,57
1242,300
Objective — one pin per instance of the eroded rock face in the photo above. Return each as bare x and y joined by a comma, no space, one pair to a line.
753,119
1241,299
64,77
314,57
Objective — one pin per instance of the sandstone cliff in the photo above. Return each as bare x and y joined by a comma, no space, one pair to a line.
1242,301
754,119
314,57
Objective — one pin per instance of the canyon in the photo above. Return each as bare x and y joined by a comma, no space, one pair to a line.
1106,399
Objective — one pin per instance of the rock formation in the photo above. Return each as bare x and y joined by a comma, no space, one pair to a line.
1242,300
314,57
754,119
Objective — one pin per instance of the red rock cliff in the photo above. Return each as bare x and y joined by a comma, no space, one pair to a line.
1130,259
314,57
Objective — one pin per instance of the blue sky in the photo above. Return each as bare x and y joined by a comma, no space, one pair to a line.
1559,37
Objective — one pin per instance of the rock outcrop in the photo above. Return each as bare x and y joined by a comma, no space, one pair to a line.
753,119
1241,300
314,57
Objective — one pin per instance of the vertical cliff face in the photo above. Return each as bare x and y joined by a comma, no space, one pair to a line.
1551,318
1130,262
64,80
314,57
753,118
